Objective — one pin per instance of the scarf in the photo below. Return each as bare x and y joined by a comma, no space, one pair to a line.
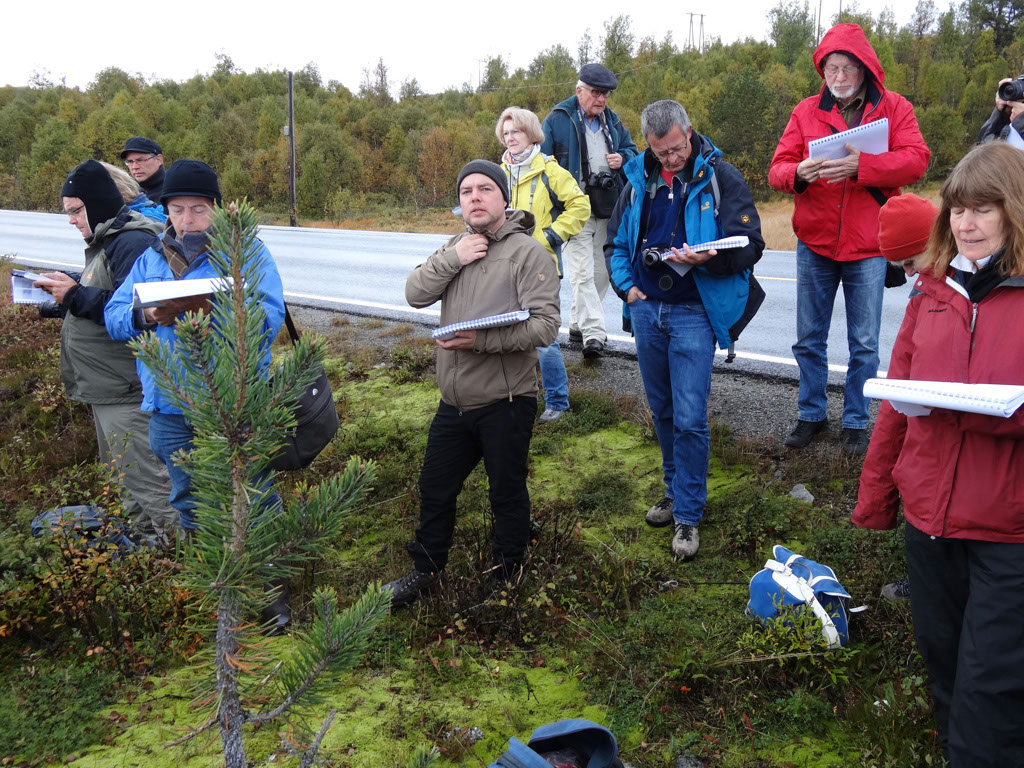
981,283
516,166
181,252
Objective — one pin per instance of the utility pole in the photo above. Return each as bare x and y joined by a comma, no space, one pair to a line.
701,48
292,221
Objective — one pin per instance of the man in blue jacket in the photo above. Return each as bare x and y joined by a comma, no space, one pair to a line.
190,191
680,304
589,141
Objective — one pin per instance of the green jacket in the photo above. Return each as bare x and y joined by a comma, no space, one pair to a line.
95,368
516,273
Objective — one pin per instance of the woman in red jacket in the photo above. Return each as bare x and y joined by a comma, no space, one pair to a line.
961,475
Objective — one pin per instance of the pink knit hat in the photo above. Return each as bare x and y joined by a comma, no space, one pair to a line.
904,226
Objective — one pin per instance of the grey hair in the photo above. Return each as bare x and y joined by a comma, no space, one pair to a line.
658,118
580,83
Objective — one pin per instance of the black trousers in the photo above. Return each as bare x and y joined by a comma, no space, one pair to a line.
499,434
967,599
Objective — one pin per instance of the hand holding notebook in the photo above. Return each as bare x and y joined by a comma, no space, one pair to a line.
446,332
872,138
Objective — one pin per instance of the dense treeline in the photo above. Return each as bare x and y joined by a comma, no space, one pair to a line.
359,151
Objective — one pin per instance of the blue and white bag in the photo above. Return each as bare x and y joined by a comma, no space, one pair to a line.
792,580
592,746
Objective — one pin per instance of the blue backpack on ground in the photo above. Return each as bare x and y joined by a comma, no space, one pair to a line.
574,744
793,580
90,523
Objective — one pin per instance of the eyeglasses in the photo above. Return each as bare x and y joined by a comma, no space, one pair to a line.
598,93
849,71
75,212
677,151
513,132
138,160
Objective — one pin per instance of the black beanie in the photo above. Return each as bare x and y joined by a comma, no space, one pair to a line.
91,184
190,178
487,168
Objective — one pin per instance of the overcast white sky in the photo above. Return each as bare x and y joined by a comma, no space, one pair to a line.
438,43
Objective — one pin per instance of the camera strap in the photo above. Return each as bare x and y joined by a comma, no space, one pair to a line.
681,269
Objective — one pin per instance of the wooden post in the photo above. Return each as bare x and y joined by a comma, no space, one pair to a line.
292,220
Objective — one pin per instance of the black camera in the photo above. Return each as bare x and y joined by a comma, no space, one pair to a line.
51,309
602,180
652,256
1013,90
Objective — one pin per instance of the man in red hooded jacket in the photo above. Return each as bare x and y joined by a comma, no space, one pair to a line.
836,222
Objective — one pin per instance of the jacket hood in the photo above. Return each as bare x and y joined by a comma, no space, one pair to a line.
125,221
849,38
515,221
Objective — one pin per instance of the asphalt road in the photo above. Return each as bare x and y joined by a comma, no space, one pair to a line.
365,272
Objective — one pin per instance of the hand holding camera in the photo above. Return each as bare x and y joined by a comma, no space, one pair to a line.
1010,96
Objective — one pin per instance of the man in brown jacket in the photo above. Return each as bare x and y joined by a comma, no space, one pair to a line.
488,378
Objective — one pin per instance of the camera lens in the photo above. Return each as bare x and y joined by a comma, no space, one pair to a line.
651,256
1012,91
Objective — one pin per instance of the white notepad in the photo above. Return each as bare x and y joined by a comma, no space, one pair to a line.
446,332
156,293
872,138
736,241
917,398
22,290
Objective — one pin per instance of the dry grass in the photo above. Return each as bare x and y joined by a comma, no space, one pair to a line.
399,330
776,226
775,215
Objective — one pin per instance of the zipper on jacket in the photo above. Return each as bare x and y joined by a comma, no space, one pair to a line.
455,378
504,375
974,318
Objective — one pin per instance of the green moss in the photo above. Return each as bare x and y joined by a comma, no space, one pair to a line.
605,626
382,716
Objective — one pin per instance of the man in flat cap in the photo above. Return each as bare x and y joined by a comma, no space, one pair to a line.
589,141
145,161
487,377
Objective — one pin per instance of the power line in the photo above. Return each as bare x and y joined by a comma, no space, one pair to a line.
573,82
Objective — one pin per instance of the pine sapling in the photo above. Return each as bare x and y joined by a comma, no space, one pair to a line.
247,540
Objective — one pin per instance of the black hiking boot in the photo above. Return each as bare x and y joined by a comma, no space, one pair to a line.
407,589
804,432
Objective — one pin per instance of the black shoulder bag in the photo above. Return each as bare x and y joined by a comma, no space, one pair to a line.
316,419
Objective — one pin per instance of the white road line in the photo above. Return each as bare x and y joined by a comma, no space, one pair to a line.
611,337
435,313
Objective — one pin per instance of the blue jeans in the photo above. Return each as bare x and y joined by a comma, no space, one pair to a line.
817,279
168,434
553,377
675,348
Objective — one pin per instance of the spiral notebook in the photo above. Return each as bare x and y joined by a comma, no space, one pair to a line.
736,241
24,292
446,332
917,398
872,138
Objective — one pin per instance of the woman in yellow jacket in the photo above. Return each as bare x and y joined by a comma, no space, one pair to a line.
538,184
